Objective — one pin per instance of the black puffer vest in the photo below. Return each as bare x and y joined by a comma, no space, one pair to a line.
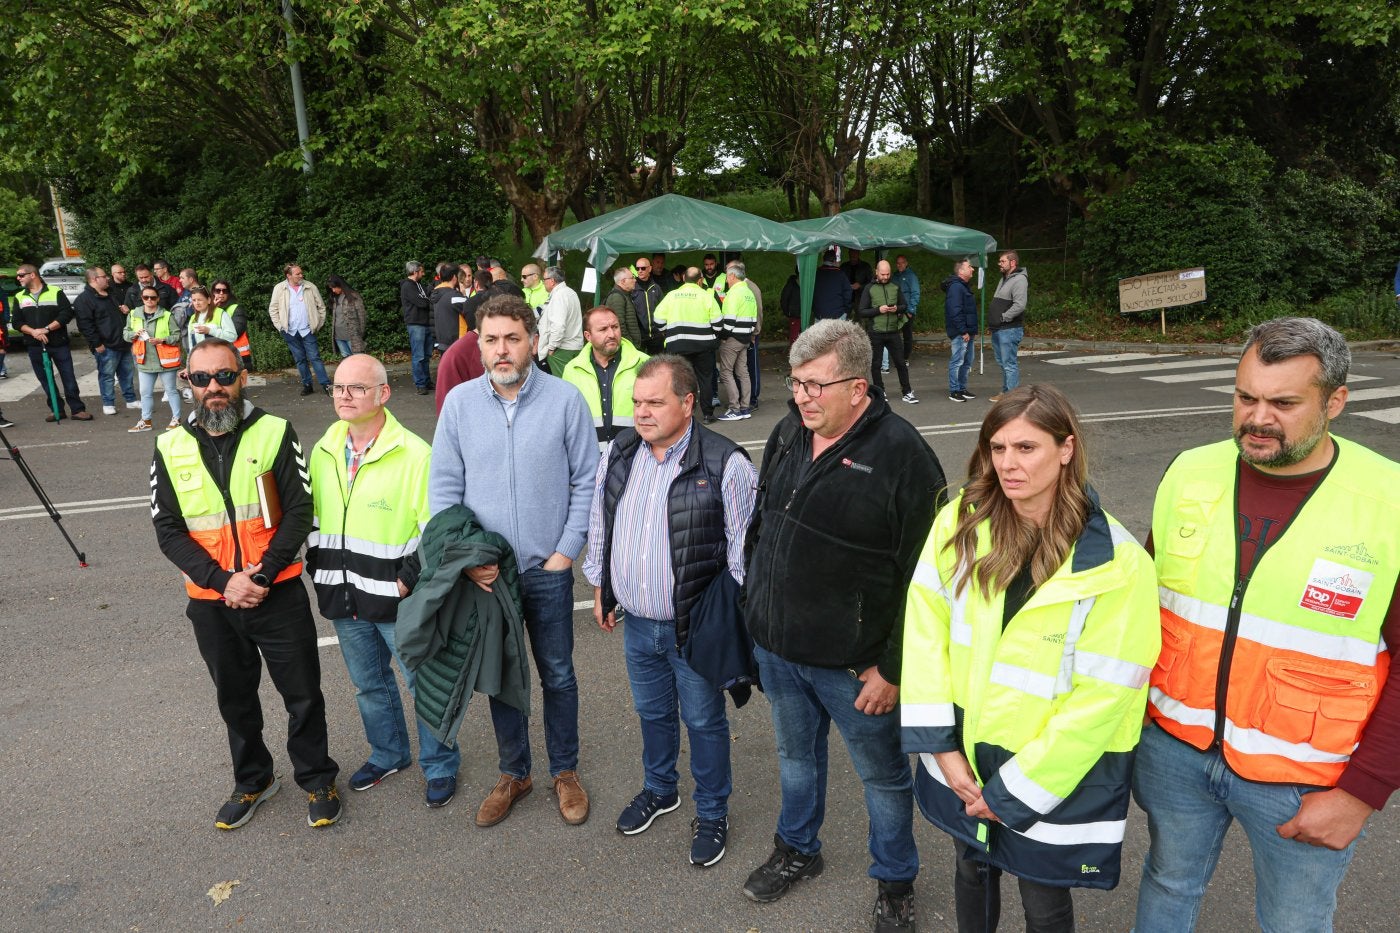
695,514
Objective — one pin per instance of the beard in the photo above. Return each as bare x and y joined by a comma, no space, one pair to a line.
510,377
220,420
1288,453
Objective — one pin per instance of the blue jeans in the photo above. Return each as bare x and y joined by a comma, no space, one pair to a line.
368,647
420,342
1191,797
148,392
806,701
547,598
343,347
307,355
65,384
1004,344
959,363
116,366
754,372
660,680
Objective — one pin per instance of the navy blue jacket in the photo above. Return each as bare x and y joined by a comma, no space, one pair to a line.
831,296
959,308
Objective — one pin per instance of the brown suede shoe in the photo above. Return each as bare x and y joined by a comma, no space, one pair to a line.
573,799
503,796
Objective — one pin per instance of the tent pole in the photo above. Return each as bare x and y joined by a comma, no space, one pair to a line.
982,330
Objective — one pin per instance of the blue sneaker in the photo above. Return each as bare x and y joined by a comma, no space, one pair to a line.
733,414
707,841
440,791
371,774
643,811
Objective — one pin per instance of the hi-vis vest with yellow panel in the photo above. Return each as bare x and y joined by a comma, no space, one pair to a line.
167,353
232,533
1294,650
579,372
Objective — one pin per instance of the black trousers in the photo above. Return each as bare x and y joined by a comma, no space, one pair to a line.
703,362
977,900
907,332
894,342
233,643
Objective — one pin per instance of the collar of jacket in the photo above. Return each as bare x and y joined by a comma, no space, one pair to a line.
391,436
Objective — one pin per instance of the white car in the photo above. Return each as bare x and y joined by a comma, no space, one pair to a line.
68,274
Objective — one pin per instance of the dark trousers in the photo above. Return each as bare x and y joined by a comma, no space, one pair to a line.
282,630
977,900
754,373
907,332
703,362
62,359
894,342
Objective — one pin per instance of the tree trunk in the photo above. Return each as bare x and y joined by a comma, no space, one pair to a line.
923,182
959,176
517,227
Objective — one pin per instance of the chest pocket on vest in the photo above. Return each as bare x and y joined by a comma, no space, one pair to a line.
187,476
1187,530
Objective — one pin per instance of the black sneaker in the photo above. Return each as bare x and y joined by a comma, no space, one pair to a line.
784,867
6,422
643,811
240,806
967,395
894,911
371,774
956,397
307,390
323,806
707,839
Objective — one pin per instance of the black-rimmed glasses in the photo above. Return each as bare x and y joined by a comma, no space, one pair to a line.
814,389
353,390
224,377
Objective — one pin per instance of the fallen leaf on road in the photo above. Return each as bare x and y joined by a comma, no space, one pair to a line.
222,891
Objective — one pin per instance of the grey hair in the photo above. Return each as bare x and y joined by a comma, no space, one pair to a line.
683,379
620,273
412,266
1285,338
847,340
740,271
555,273
92,273
495,264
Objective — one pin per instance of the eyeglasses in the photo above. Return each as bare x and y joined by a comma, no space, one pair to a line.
353,391
23,275
225,377
644,268
529,275
221,291
814,389
150,298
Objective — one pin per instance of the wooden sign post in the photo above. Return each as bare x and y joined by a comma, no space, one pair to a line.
1160,291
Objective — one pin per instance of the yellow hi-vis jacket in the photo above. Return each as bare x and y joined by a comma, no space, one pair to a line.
1047,711
690,319
1298,641
579,372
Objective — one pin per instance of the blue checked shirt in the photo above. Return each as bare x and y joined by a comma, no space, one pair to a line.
642,578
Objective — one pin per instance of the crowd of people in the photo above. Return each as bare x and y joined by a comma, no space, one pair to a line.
1041,665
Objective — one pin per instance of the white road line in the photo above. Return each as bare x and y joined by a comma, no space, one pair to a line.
126,501
1039,353
1388,415
1230,389
1109,358
1154,367
1366,395
53,444
1193,377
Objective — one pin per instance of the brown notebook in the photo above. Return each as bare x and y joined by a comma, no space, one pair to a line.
269,500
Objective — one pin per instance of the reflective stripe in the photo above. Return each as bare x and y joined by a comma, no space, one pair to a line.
1120,535
1024,679
1078,615
926,575
1247,741
364,584
1113,670
1271,633
960,633
216,520
915,715
362,546
1106,832
624,421
1025,790
931,766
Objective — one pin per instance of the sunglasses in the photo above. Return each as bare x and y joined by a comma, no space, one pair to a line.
221,291
150,298
225,377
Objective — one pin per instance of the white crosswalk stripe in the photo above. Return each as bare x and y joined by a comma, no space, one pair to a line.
1230,389
1367,395
1108,358
1195,377
1388,415
1158,367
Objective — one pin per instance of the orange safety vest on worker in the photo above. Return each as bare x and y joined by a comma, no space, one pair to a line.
1293,650
240,342
167,353
232,532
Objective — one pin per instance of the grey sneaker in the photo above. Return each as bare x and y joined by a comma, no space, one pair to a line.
784,868
240,807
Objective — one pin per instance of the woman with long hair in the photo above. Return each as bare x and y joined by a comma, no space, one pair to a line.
206,320
347,316
222,291
1030,628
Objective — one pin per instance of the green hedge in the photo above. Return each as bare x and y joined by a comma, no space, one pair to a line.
244,224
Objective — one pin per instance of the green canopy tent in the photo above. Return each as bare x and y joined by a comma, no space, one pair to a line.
863,229
674,223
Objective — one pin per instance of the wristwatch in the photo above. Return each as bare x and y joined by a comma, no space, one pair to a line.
260,579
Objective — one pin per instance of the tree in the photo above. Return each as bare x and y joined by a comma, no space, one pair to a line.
25,236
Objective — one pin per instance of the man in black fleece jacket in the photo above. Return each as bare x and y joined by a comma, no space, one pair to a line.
846,498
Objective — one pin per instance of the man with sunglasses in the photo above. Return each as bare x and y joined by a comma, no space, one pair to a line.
369,481
846,496
216,483
41,312
101,322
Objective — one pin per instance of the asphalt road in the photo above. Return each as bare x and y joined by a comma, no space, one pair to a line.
114,760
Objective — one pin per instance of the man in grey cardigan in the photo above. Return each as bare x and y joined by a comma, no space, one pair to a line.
517,447
1006,319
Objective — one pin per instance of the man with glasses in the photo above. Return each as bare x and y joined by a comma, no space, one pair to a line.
362,558
41,312
218,484
561,323
846,496
101,322
532,284
646,296
298,311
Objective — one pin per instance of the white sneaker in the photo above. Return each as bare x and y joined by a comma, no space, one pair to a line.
109,409
143,425
909,397
174,423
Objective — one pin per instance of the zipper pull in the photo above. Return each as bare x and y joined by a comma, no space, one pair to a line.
1237,595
